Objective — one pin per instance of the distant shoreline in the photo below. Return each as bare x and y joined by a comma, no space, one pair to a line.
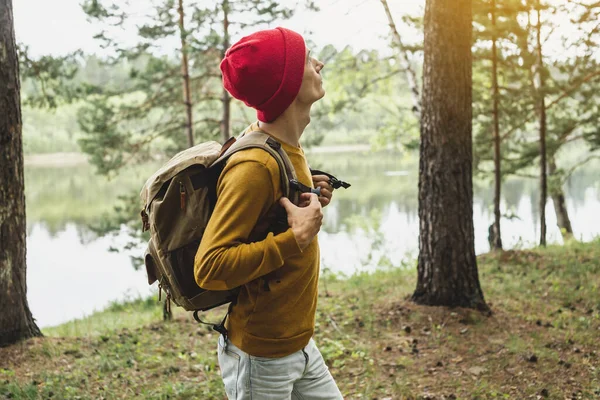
55,160
73,158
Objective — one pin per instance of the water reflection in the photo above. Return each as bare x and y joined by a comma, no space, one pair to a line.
68,277
71,272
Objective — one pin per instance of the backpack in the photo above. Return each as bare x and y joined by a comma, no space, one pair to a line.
178,201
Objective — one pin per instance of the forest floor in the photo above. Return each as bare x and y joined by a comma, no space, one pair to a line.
542,340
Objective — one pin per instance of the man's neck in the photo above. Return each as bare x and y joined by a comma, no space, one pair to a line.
289,126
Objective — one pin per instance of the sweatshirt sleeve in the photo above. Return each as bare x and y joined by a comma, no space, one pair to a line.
225,258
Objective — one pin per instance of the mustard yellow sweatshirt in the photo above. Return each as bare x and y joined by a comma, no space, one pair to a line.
275,311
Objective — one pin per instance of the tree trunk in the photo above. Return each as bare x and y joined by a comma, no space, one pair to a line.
542,119
187,95
447,266
16,322
404,62
496,237
226,98
560,205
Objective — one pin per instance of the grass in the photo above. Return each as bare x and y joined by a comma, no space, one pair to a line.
117,316
541,341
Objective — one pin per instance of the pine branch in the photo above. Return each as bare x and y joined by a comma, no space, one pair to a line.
574,138
207,120
566,93
378,79
159,97
523,175
580,164
411,76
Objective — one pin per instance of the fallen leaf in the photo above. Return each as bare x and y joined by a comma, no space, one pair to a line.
476,370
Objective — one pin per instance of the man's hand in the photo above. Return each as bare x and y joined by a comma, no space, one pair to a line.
304,221
322,181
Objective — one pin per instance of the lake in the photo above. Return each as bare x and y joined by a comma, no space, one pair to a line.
374,224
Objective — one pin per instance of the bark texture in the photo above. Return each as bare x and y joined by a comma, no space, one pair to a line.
539,83
187,95
496,237
226,98
16,322
447,269
560,204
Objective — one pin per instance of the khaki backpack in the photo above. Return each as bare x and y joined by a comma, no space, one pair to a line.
178,202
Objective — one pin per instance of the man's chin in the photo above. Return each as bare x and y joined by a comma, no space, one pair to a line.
318,96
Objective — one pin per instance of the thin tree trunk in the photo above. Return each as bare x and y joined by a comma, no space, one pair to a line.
226,98
542,120
404,61
16,322
560,205
447,266
187,95
496,235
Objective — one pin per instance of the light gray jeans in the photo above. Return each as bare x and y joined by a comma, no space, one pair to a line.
302,375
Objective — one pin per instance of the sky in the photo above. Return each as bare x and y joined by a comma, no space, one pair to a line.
59,26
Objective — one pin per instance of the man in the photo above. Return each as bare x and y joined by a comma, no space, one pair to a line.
269,352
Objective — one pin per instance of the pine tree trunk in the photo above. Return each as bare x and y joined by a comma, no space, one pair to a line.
542,121
560,205
187,95
226,98
447,266
404,61
496,237
16,322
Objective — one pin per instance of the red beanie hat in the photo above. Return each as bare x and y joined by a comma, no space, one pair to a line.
265,70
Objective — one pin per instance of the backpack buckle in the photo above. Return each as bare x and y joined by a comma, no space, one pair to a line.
302,188
221,329
333,181
273,143
336,183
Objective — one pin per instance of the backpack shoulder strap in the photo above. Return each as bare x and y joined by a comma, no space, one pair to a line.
259,139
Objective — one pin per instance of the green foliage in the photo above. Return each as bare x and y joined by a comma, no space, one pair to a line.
133,112
146,118
51,79
365,92
572,110
118,315
47,130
